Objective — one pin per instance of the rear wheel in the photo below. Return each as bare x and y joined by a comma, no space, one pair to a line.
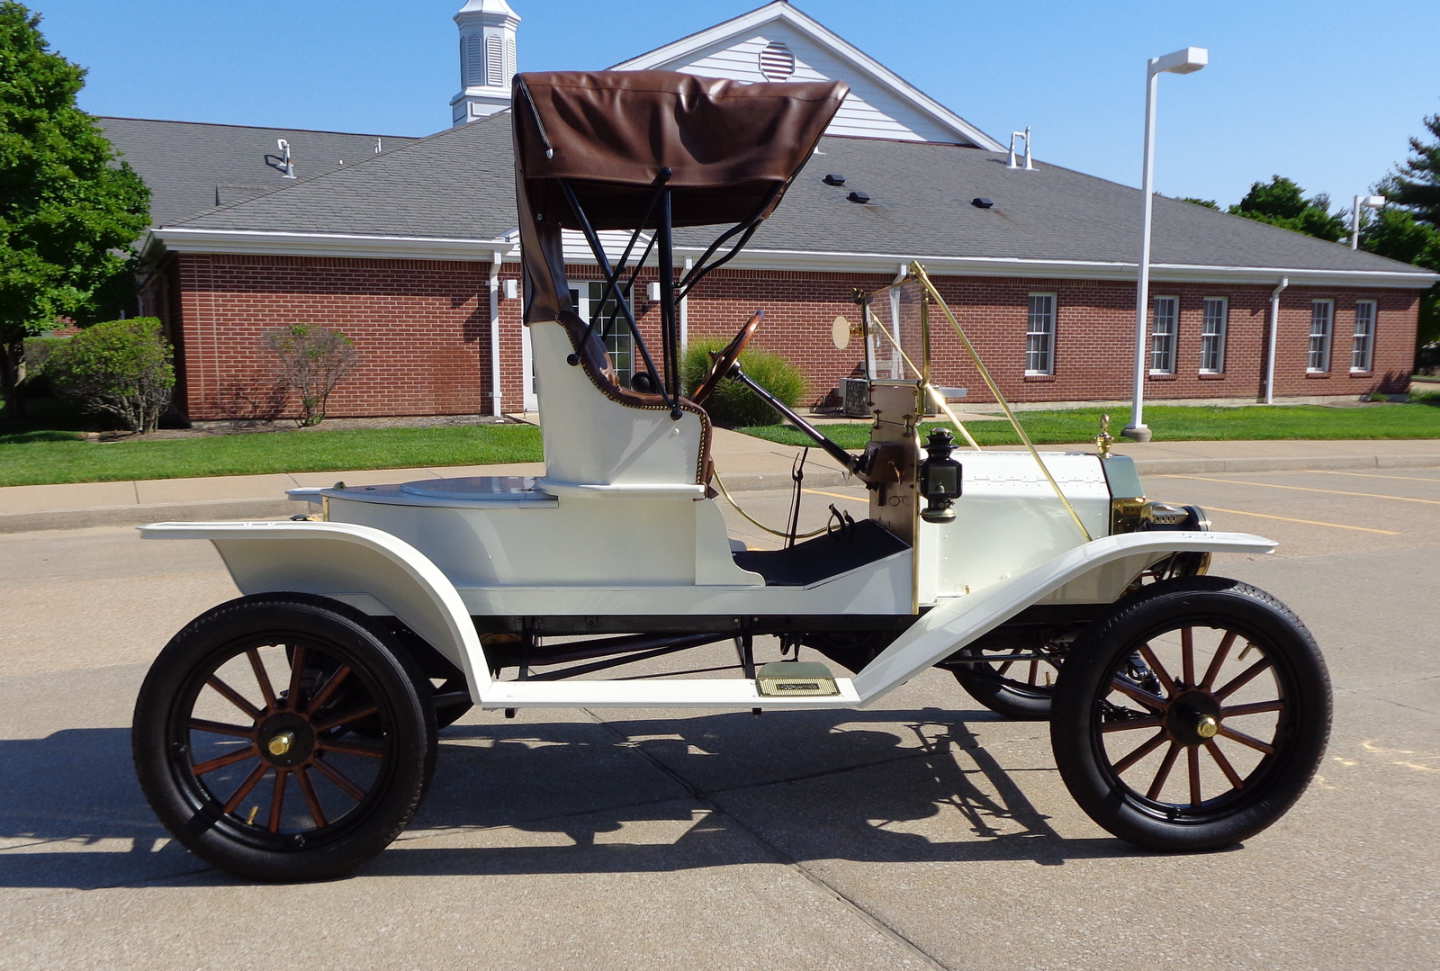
250,759
1019,689
1193,717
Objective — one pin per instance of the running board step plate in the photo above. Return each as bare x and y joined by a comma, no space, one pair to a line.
672,693
795,679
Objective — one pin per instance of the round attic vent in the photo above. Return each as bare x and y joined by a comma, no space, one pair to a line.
777,63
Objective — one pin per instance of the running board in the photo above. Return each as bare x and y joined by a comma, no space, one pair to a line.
667,693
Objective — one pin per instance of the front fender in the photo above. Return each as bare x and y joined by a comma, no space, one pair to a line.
956,621
363,566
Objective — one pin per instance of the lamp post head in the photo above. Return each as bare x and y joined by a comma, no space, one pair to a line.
1370,202
1187,60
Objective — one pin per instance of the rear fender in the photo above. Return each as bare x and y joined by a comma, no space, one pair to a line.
368,568
956,621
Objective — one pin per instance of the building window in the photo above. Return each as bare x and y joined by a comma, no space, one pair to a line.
1361,357
1322,312
610,325
1212,336
1165,321
1040,335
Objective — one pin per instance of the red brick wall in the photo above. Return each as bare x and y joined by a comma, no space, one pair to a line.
422,329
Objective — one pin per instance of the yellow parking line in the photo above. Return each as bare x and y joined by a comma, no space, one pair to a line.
1295,488
834,495
1306,522
1377,475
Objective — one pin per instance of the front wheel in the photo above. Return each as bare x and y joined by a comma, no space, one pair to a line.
1193,716
245,744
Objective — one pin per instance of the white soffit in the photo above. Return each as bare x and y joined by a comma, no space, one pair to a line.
881,103
179,240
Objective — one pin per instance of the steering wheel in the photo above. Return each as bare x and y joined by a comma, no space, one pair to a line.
723,360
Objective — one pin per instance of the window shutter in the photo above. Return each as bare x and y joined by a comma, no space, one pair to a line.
494,61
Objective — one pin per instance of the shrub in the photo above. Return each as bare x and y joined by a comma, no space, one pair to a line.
119,367
37,352
313,360
733,405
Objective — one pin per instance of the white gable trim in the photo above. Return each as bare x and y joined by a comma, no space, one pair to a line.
355,246
817,32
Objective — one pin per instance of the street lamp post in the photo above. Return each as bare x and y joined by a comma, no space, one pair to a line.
1366,202
1187,60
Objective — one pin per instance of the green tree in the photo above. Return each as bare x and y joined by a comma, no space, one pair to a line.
1281,202
1400,235
1416,183
1207,203
69,210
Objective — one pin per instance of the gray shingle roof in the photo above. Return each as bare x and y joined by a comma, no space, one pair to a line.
458,184
192,166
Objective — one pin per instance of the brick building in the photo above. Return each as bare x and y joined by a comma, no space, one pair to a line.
409,247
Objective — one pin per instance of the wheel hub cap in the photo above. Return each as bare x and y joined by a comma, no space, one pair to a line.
287,739
281,744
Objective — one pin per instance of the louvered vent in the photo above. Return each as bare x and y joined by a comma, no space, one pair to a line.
494,60
777,62
510,66
472,59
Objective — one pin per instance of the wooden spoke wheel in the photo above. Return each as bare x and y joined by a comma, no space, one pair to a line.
248,746
1193,717
1019,689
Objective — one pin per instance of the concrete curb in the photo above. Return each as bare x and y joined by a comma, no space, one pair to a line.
279,507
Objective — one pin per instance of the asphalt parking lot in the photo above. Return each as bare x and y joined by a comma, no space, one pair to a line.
922,832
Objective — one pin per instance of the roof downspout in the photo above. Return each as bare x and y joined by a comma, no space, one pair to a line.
1274,327
685,313
497,258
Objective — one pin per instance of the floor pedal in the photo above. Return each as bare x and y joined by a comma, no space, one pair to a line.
797,679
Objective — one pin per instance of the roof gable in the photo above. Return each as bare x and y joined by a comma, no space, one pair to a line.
881,103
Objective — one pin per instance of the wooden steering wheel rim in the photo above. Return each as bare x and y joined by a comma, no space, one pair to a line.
725,359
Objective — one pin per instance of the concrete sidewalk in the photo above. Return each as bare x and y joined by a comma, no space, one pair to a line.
742,461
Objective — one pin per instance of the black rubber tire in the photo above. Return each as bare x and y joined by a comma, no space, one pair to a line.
162,734
1005,696
1268,790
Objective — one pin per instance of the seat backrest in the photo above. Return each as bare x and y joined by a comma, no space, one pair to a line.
600,433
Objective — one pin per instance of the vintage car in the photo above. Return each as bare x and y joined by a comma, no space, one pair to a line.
290,734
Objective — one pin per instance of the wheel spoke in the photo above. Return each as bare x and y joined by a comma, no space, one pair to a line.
1187,654
1164,772
1003,668
346,718
331,683
1252,709
1226,643
1128,724
261,677
297,673
250,782
1224,763
277,800
1034,671
1132,690
233,696
220,761
308,791
220,728
1154,742
336,776
1249,740
1159,669
353,748
1192,756
1242,679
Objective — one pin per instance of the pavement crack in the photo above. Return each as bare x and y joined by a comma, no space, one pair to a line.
882,926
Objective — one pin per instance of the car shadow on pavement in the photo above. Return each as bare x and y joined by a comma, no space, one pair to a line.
718,790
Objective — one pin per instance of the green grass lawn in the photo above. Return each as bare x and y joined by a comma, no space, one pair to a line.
34,457
1178,423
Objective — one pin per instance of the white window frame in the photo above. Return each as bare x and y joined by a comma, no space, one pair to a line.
1040,342
1212,343
1362,351
613,331
1163,344
1320,351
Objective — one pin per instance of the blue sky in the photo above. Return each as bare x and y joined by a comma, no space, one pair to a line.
1323,91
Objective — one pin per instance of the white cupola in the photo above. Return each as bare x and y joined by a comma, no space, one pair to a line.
487,59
